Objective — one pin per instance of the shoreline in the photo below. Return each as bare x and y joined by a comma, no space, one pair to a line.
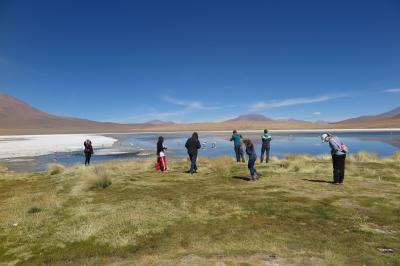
340,130
344,130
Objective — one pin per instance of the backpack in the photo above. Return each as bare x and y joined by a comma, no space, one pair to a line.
343,147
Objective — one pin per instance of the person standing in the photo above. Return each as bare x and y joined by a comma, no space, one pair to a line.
161,154
266,145
88,151
338,152
237,142
192,145
251,152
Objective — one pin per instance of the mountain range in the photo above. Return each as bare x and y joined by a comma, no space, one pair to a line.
18,117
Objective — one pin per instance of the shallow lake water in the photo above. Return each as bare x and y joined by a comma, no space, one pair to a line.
213,144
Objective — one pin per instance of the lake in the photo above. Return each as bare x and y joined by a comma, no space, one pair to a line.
142,145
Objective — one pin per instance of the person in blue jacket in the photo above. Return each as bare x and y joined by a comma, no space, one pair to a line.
237,145
338,152
251,152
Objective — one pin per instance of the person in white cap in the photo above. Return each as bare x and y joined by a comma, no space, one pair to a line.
338,152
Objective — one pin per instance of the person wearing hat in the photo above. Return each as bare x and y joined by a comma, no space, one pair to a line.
338,152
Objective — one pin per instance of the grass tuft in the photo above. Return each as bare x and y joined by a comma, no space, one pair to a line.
394,157
364,156
3,168
34,209
323,157
100,179
222,166
55,168
298,157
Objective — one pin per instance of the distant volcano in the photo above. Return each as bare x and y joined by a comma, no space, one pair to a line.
159,122
249,117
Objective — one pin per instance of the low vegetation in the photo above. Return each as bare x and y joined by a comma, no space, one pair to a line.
3,168
126,213
55,168
222,166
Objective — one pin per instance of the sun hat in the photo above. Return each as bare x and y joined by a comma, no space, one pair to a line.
323,137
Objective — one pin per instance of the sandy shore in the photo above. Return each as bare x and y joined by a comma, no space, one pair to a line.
36,145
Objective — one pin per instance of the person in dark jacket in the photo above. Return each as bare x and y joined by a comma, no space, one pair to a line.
192,145
161,154
338,152
237,146
251,152
266,145
88,151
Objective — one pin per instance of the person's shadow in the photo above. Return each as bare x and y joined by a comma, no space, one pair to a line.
317,180
245,178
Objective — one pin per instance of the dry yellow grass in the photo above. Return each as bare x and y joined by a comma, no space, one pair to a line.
222,166
364,156
395,157
299,157
55,168
3,168
289,217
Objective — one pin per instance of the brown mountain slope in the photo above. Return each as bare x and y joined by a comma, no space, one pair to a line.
390,119
17,117
369,122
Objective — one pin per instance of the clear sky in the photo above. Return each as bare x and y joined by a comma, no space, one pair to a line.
186,61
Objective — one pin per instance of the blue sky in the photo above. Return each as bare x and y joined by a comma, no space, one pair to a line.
191,61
